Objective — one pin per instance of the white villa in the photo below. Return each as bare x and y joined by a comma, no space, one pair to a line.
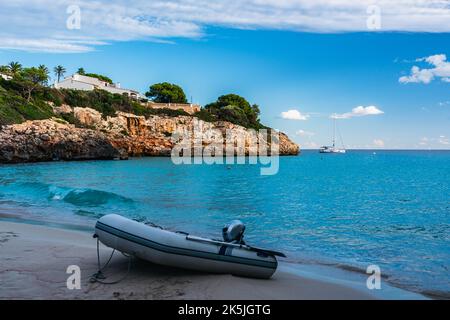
81,82
5,76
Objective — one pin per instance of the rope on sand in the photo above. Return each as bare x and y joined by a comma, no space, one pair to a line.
99,275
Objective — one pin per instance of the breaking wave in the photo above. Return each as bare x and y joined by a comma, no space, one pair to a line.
93,198
80,197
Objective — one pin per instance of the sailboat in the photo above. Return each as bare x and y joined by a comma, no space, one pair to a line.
333,148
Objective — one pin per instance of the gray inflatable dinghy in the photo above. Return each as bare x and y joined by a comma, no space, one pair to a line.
178,249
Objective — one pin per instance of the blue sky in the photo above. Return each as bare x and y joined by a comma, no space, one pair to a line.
315,73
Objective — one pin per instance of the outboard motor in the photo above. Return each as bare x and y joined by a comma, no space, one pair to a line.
234,232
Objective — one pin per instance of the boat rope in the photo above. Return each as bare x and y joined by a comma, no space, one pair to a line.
149,223
99,275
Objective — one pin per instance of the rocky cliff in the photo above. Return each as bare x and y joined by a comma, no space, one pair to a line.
124,135
47,140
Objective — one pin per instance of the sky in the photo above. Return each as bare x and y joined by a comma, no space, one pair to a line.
381,69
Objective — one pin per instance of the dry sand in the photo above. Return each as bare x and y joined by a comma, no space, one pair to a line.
34,260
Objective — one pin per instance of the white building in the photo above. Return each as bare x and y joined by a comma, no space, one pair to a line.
81,82
5,76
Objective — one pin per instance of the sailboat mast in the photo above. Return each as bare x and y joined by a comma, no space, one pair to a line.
334,132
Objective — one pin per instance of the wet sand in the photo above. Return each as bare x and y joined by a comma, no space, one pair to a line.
34,260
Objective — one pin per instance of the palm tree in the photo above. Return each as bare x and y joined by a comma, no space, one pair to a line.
43,68
59,71
4,69
81,71
14,67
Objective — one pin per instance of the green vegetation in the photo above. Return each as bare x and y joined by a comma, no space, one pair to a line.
166,93
232,108
15,109
82,72
100,100
27,95
59,71
104,102
14,68
43,68
31,79
205,115
99,77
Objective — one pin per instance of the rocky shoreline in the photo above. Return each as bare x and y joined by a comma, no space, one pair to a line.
115,137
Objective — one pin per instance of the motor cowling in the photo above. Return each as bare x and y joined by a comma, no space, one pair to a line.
234,232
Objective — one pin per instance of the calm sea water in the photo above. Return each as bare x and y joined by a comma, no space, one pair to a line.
391,208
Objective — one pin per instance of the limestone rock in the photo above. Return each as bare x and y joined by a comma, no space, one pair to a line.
47,140
126,135
155,136
62,109
87,116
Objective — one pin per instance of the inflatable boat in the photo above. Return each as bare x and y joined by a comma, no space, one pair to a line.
179,249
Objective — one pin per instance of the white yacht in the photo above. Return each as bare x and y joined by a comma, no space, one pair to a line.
333,148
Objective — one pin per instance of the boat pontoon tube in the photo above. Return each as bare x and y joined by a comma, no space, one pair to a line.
182,250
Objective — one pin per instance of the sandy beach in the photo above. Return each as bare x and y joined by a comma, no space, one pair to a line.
34,260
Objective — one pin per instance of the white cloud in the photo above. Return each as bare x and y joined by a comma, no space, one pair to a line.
294,115
41,25
48,45
424,141
440,68
303,133
444,140
378,143
307,136
310,145
359,111
26,21
444,103
434,142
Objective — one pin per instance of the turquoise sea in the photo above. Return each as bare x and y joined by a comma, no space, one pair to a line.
389,208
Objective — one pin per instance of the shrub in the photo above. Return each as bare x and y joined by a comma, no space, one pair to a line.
235,109
16,109
166,92
99,77
204,115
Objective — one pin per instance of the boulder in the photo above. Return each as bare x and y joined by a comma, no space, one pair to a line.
62,109
87,116
47,140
